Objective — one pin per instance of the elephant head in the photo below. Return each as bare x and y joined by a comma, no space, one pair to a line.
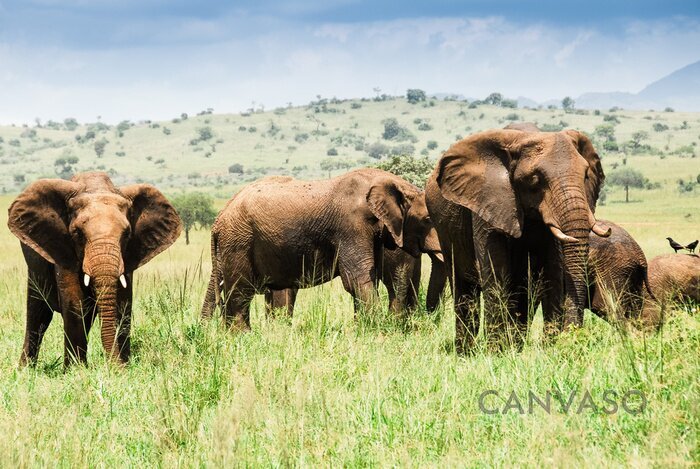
508,176
401,209
103,233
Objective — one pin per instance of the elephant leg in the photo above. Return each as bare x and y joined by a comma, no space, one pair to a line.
413,285
494,255
436,285
466,298
275,299
239,290
124,299
209,304
42,300
359,279
77,317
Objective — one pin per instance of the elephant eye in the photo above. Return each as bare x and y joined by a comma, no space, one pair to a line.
534,180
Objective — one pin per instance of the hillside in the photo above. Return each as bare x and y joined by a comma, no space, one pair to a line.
679,90
197,151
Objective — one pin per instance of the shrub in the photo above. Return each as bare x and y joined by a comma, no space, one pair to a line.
432,145
414,170
235,168
659,127
332,152
377,150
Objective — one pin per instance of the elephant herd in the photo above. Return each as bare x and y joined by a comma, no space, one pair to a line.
507,218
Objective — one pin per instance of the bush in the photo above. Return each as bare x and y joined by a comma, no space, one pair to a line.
432,145
332,152
235,168
659,127
403,149
301,137
377,150
414,96
424,126
414,170
394,131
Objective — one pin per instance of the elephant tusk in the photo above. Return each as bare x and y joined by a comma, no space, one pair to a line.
600,229
438,255
221,283
86,280
561,236
122,280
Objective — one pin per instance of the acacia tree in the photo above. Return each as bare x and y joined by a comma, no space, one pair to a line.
626,177
195,209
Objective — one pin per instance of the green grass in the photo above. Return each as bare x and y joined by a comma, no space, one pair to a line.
323,389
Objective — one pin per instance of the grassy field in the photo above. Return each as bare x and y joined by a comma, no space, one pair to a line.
322,389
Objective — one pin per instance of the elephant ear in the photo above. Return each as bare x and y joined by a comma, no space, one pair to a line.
596,177
39,217
389,205
155,225
474,173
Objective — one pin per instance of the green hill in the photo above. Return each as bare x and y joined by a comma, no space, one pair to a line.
197,151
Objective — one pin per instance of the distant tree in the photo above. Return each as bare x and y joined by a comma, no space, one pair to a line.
659,127
414,96
70,123
605,131
332,152
637,137
235,168
494,99
64,165
509,103
378,150
205,133
626,177
183,116
195,209
391,128
394,131
432,145
567,104
331,164
100,146
414,170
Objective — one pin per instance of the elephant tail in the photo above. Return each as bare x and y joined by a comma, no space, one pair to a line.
646,283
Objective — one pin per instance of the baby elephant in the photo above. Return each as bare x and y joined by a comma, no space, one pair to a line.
280,233
82,240
399,272
619,270
674,277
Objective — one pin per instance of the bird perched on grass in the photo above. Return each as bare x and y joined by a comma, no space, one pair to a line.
679,247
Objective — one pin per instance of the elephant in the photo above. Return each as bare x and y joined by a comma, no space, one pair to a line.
619,272
280,233
399,272
507,203
674,277
82,240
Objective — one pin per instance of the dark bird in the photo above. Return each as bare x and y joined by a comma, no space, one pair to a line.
679,247
676,247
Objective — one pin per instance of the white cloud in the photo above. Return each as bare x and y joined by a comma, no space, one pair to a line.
229,62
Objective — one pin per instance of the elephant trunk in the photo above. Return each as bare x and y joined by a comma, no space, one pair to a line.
573,216
103,265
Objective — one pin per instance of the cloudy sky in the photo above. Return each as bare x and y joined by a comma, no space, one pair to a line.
153,59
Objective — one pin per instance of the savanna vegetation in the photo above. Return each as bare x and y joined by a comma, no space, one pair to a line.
322,388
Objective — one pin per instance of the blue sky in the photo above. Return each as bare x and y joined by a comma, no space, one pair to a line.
152,59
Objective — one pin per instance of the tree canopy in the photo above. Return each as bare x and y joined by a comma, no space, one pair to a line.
195,209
